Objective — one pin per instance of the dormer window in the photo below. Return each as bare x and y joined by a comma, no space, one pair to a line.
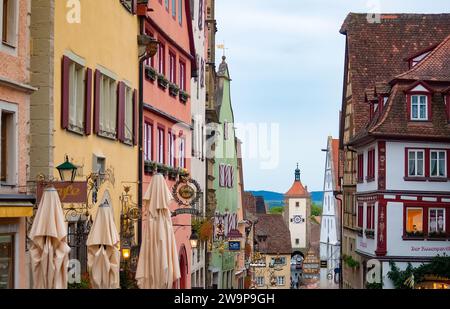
419,102
419,107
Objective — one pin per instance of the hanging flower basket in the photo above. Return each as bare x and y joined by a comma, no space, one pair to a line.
150,73
205,230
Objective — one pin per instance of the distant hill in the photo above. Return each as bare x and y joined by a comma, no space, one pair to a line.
275,199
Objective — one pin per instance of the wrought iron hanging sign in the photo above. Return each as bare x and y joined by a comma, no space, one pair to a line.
187,193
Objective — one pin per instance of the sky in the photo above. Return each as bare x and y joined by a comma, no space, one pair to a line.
286,60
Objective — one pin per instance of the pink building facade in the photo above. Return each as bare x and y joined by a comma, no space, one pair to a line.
167,109
15,91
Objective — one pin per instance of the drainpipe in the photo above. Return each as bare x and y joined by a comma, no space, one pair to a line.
341,266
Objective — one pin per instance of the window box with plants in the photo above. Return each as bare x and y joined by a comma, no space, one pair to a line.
184,96
370,234
150,73
172,173
437,235
162,169
360,231
162,81
173,89
150,167
415,235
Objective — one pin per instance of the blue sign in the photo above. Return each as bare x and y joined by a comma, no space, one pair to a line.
234,245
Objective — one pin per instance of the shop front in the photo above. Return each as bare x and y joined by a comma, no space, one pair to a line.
14,211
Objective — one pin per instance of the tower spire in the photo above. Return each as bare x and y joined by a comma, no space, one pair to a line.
297,173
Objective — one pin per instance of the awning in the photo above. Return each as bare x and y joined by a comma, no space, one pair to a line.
16,209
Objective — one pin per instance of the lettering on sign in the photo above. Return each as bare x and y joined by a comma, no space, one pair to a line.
69,192
430,249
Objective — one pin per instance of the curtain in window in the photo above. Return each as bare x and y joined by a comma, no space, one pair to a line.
423,107
442,164
415,107
412,164
436,221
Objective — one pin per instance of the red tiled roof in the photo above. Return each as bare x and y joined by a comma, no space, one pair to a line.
377,51
434,67
297,190
278,235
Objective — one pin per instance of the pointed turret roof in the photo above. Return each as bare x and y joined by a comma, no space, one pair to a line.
297,189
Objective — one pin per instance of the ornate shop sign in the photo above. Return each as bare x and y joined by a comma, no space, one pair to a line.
69,192
187,193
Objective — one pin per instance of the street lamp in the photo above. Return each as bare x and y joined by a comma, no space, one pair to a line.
126,253
194,240
67,170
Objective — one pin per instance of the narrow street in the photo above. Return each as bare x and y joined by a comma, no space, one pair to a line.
205,145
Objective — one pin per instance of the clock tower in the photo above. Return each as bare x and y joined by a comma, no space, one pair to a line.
296,213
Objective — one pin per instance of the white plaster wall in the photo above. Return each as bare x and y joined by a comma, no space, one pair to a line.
399,247
395,168
198,101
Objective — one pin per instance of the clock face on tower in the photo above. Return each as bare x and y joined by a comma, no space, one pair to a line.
297,219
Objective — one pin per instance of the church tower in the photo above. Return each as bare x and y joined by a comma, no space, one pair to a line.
296,213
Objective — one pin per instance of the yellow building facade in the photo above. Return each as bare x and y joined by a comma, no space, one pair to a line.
273,272
85,64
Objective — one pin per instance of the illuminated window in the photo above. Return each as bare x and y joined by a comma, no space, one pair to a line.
414,220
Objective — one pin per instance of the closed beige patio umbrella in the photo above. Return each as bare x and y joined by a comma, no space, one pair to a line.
49,250
158,265
103,252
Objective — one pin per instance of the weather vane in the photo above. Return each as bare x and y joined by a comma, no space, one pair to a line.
222,46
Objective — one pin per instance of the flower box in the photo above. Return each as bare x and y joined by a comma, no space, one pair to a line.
162,81
150,73
173,90
370,234
438,235
184,96
162,169
360,231
415,234
150,167
172,173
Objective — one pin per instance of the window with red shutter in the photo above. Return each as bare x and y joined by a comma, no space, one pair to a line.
135,117
370,217
75,96
65,92
88,103
371,165
361,168
121,112
148,142
360,215
97,82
